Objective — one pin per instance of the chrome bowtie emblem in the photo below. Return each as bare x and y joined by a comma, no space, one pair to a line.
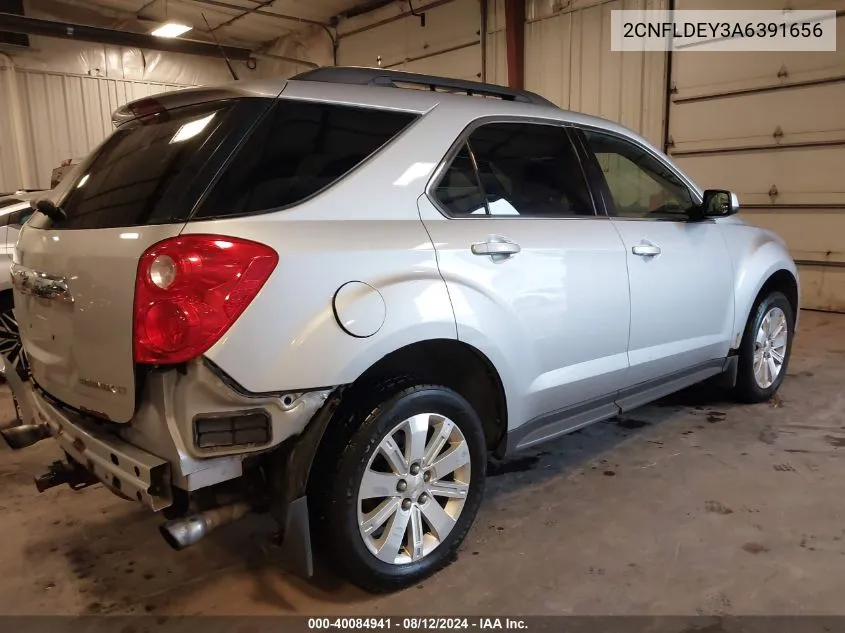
40,284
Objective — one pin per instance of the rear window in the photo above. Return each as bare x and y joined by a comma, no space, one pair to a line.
296,151
125,183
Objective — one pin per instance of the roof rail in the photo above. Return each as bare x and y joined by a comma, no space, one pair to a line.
384,77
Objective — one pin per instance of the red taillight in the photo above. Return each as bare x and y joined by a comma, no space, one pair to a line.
189,291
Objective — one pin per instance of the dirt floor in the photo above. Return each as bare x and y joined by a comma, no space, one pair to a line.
690,506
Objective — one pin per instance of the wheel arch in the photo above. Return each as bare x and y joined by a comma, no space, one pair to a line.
446,362
783,280
453,364
761,263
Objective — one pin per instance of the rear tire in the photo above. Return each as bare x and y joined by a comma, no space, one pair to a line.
399,492
765,349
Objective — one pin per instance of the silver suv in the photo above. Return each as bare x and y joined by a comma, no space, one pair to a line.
330,298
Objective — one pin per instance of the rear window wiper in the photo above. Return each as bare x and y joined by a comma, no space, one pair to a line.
48,208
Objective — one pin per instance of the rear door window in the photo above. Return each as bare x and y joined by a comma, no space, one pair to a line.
458,191
530,170
299,149
128,180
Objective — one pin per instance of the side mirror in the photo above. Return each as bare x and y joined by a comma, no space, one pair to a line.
719,203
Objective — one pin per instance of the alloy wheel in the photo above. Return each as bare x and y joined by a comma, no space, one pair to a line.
770,348
10,342
414,488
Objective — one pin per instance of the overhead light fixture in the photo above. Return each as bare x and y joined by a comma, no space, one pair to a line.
171,29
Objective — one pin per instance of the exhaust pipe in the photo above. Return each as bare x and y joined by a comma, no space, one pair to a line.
18,437
181,533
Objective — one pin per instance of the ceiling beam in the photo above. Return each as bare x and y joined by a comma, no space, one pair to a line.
366,7
81,32
270,14
399,16
143,8
243,14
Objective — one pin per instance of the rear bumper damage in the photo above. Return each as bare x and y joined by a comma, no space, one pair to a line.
126,470
156,458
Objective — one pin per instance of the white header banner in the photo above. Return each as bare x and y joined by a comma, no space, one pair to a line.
730,30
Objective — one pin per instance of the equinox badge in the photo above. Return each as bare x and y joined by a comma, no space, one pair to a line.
104,386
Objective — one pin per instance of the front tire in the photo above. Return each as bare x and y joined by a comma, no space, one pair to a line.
404,489
765,349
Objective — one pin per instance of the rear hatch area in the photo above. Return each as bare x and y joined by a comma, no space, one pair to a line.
74,277
74,294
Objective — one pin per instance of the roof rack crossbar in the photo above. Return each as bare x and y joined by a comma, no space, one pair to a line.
390,78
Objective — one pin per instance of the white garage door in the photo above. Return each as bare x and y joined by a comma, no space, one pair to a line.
771,126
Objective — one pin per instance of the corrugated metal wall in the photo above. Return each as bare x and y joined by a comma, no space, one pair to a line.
61,116
568,60
771,127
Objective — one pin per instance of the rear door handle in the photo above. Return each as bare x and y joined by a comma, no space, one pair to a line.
646,250
495,248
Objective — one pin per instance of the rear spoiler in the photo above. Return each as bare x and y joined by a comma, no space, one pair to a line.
194,96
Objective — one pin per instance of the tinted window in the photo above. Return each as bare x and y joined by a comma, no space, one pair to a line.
299,149
641,186
131,173
529,170
458,191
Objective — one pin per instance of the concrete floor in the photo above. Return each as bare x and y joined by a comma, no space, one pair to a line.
691,506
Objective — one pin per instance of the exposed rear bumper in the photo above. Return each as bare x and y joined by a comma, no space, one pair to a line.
125,469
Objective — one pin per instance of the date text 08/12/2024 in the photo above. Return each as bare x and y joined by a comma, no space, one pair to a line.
417,623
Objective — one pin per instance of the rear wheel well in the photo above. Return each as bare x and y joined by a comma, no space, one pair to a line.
449,363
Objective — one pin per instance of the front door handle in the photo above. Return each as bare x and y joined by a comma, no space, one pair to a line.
496,249
646,250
